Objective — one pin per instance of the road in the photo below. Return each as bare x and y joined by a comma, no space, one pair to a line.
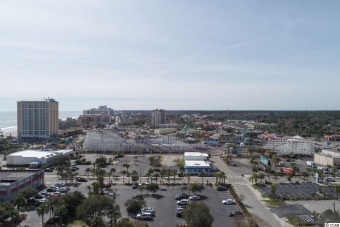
251,197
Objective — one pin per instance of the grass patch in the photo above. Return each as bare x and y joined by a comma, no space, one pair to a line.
77,223
296,221
273,203
255,186
264,196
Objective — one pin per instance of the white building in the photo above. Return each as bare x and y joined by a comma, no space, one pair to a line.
38,119
198,156
196,162
32,156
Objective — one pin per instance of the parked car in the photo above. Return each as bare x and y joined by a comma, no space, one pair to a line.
179,213
48,170
228,202
221,188
81,179
148,210
144,216
134,186
183,202
329,179
182,196
237,212
51,189
195,197
111,194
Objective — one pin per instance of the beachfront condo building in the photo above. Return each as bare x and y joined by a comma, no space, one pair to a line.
157,117
38,119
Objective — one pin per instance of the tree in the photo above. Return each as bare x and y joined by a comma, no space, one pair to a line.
141,188
114,214
7,210
133,206
329,216
94,208
59,160
198,214
127,166
202,175
195,187
273,188
304,174
124,172
72,201
101,162
174,173
261,176
152,188
134,176
41,211
19,201
184,188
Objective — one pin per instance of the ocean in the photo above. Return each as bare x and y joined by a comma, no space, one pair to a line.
9,119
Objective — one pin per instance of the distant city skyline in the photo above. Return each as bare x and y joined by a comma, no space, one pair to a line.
172,55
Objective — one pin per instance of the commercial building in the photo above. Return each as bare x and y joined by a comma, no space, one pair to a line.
93,119
102,110
33,158
196,162
38,119
328,157
157,117
13,182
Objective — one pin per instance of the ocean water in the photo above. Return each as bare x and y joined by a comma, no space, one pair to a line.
9,119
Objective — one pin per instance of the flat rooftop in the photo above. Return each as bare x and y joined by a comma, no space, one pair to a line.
197,163
33,153
195,154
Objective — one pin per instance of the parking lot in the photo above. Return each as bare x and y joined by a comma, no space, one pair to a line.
300,190
164,204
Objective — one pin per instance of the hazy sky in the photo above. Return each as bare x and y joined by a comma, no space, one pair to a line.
171,54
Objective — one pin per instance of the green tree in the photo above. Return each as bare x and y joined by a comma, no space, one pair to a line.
198,214
114,214
174,173
101,162
94,208
195,187
184,188
202,175
41,211
273,188
304,174
133,206
127,166
20,201
134,176
152,188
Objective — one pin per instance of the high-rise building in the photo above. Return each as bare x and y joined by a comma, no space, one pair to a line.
101,110
38,119
157,117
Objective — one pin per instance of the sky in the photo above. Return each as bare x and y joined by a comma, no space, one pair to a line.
171,54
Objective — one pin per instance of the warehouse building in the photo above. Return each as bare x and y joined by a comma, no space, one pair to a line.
33,158
13,182
328,157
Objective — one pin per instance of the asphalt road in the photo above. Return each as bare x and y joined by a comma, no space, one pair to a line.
242,187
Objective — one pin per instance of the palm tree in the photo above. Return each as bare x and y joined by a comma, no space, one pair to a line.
168,174
337,189
163,174
315,214
113,170
223,177
261,176
156,175
124,173
41,211
202,175
254,177
127,166
174,173
304,174
188,176
87,171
